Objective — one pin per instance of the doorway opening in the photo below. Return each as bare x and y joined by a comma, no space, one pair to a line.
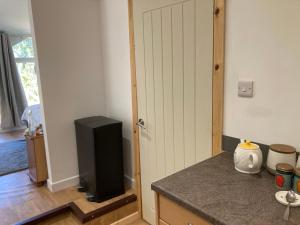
19,95
19,109
13,154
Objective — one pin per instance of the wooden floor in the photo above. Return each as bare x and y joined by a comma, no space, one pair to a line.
140,222
12,136
69,219
20,199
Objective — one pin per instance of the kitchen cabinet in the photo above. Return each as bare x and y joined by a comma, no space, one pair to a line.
37,159
170,213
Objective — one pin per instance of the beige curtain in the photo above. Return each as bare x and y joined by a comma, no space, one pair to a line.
12,96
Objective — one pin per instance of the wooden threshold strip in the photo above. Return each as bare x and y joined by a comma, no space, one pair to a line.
81,216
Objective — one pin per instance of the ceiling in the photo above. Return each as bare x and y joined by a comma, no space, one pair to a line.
14,17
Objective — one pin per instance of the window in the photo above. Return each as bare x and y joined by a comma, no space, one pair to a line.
24,55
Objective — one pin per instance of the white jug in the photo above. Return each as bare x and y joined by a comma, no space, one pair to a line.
248,157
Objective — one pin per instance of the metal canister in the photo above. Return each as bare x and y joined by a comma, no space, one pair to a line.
284,176
296,186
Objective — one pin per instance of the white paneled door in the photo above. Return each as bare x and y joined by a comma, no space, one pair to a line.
174,56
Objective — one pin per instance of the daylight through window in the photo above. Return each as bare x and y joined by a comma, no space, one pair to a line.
24,56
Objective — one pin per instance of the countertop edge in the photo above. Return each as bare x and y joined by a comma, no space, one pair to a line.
186,205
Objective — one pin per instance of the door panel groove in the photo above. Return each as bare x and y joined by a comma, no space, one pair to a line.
195,102
163,86
183,50
154,104
172,43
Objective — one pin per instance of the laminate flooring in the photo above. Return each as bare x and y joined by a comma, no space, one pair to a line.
20,199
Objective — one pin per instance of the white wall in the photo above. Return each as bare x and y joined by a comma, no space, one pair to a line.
263,44
14,17
68,48
116,69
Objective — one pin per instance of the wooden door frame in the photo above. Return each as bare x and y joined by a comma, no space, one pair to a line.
218,89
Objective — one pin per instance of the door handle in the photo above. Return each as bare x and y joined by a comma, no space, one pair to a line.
141,124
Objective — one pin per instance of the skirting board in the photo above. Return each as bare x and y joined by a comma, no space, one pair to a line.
63,184
74,181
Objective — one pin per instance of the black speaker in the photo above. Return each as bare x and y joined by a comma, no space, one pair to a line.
100,157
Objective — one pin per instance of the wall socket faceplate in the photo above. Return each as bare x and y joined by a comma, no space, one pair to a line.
245,89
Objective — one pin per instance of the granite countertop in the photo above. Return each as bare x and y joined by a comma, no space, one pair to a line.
214,190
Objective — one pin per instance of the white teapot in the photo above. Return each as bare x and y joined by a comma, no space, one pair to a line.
248,157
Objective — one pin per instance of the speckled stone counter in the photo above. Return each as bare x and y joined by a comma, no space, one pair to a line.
215,191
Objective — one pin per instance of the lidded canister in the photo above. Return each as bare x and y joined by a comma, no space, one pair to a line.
284,176
296,186
280,153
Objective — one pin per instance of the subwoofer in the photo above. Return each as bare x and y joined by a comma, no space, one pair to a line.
100,157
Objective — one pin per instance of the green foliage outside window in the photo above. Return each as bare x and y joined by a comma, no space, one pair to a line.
24,49
29,81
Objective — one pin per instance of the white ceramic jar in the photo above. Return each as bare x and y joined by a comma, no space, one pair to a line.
279,153
248,158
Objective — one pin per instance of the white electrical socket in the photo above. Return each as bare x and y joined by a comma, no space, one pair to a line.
245,89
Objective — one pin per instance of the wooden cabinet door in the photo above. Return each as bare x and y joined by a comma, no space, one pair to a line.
173,214
40,158
37,159
31,158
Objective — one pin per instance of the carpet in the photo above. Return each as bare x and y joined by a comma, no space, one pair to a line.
13,157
